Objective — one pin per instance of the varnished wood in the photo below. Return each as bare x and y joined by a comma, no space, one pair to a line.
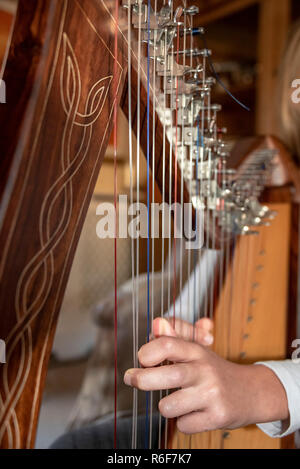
46,184
212,10
60,75
6,20
248,331
274,22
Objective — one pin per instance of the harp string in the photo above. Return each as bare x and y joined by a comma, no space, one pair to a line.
197,184
148,213
163,209
130,153
222,181
137,243
207,201
171,139
181,181
196,257
116,224
191,149
191,170
152,214
228,270
213,243
175,182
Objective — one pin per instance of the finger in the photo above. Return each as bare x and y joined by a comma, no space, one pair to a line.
182,402
196,422
205,323
199,333
169,348
162,326
163,377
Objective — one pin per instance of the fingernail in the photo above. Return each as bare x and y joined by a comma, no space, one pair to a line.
208,339
128,377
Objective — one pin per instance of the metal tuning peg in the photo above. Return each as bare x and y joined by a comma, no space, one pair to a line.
178,13
202,153
191,75
192,10
139,14
191,31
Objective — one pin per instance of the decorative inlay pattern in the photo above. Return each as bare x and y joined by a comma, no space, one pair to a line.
40,270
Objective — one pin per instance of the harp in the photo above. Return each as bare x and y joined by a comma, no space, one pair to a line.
61,97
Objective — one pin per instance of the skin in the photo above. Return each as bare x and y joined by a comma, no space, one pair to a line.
209,392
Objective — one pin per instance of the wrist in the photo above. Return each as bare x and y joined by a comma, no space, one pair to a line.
268,401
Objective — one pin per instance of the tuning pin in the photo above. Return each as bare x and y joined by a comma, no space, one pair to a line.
194,52
271,214
212,125
191,75
127,3
139,9
246,230
265,223
192,10
178,13
192,31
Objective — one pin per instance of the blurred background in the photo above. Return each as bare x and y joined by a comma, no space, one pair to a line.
247,38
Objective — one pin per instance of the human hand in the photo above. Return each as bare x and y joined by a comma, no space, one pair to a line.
214,393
